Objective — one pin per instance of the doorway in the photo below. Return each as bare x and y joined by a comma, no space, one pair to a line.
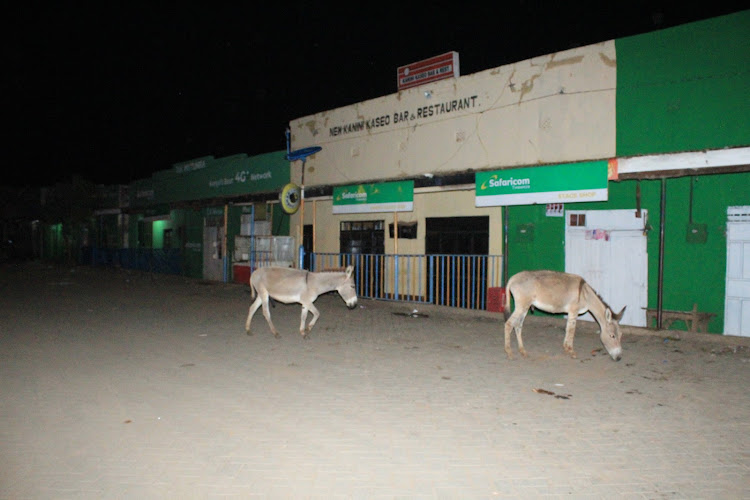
456,279
307,245
363,244
608,248
457,235
737,298
213,248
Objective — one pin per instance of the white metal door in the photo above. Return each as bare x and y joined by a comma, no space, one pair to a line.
737,299
608,248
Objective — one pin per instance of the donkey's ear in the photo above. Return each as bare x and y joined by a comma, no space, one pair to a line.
618,316
349,271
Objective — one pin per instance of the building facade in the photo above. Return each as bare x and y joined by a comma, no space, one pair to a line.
197,217
660,120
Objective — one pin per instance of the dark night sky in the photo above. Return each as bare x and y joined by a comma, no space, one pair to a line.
116,93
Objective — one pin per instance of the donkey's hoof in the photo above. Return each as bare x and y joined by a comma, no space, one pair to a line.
248,332
277,335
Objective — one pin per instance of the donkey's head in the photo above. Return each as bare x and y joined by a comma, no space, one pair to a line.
610,334
348,289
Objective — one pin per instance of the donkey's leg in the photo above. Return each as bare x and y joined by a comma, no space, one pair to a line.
308,307
519,338
508,329
315,316
267,315
303,319
515,322
570,332
253,308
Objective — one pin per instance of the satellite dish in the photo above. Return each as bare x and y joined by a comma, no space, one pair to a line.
300,154
290,198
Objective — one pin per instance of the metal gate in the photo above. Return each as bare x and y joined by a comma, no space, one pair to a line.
608,248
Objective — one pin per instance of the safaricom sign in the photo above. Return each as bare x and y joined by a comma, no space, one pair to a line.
569,183
354,196
371,198
517,183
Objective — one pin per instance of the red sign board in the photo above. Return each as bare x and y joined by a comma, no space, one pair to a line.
428,70
612,170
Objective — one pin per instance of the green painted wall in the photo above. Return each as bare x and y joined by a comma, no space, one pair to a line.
157,233
187,225
193,254
54,248
206,179
535,241
685,88
693,272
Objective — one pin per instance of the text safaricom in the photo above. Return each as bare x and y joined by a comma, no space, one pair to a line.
515,183
359,196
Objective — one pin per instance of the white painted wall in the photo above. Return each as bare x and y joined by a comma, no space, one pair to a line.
454,203
550,109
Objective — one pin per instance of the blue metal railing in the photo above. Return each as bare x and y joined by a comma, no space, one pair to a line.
449,280
165,261
462,281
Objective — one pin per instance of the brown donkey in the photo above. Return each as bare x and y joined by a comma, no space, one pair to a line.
298,286
557,292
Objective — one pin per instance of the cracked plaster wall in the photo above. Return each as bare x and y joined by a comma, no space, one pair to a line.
555,108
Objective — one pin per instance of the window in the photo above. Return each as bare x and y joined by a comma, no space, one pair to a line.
577,220
363,237
406,230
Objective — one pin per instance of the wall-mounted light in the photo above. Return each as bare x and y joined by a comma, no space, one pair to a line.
427,94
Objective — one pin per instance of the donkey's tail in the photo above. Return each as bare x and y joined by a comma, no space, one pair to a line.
506,306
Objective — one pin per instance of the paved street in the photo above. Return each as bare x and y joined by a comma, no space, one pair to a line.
128,385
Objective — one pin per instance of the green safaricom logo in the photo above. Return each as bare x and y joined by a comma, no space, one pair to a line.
370,198
356,196
566,183
495,181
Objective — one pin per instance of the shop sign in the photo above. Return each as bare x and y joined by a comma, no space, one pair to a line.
371,198
569,183
428,70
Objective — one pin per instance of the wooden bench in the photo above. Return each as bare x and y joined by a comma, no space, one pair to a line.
694,320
